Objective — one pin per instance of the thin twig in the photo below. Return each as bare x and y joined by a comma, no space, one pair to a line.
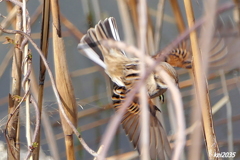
27,71
33,146
177,101
11,115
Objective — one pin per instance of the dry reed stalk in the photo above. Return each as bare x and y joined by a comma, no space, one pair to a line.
87,112
63,81
150,46
10,6
79,72
229,113
178,15
86,127
202,94
44,48
126,22
6,61
71,27
133,7
180,120
144,116
48,129
158,25
181,28
11,15
219,104
26,68
237,10
35,15
13,128
58,99
224,121
179,19
96,11
124,156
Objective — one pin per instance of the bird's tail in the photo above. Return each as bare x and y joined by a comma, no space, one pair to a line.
91,42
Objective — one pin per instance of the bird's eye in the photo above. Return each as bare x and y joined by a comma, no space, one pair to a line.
161,98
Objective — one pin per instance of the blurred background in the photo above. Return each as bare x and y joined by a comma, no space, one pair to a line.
92,87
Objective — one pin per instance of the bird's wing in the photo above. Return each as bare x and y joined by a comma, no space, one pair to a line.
130,122
179,58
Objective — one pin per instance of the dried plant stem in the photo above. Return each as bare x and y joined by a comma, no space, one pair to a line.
178,15
219,104
124,156
35,15
237,10
32,147
229,113
54,88
63,81
44,48
159,20
179,19
13,116
10,6
144,116
126,22
48,129
96,9
10,17
26,84
177,101
6,61
72,28
202,94
13,128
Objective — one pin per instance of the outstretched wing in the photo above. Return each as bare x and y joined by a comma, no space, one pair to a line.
130,122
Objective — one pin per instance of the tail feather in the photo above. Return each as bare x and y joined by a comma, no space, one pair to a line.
91,52
90,44
110,24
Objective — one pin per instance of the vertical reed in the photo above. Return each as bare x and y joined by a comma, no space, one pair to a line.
13,127
63,81
44,48
202,93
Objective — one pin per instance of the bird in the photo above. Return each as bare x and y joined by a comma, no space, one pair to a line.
124,73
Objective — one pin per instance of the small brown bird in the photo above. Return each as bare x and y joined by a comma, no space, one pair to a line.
124,72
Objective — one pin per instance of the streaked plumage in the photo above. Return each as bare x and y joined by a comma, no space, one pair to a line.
124,72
